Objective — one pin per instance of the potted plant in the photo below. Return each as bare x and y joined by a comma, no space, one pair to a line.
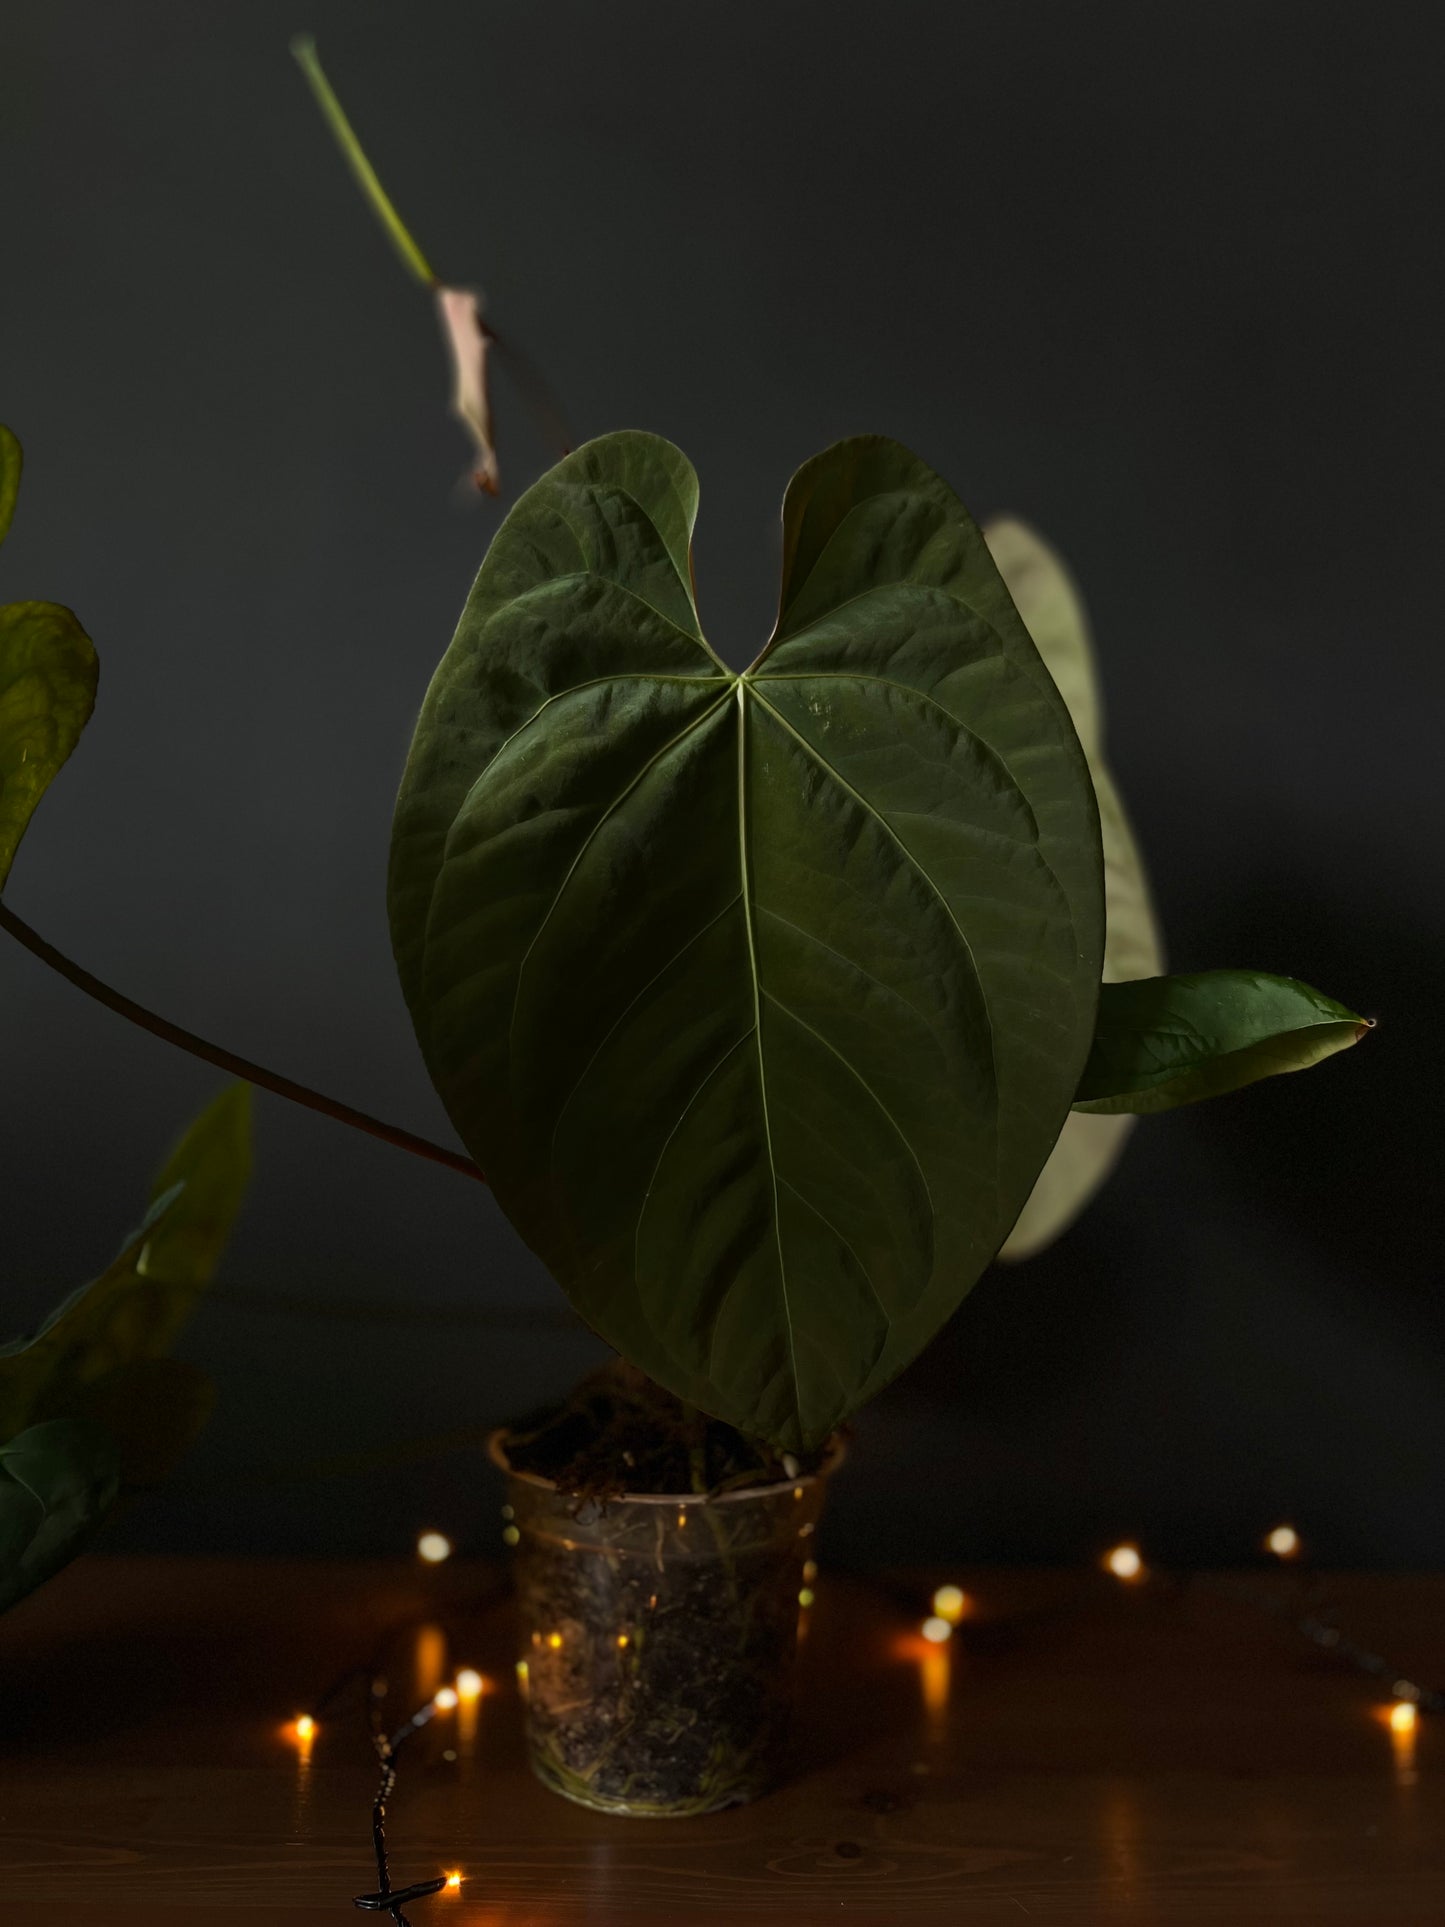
772,1004
762,1000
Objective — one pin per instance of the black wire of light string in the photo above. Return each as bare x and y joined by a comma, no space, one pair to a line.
387,1899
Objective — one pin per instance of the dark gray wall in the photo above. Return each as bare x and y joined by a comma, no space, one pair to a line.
1163,279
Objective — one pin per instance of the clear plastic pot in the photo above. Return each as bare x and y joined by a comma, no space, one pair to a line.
659,1634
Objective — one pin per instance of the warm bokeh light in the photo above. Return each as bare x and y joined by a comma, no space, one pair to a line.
433,1547
950,1603
511,1536
470,1683
805,1597
623,1642
936,1631
1403,1716
445,1699
1124,1562
1283,1542
301,1732
524,1678
554,1640
454,1884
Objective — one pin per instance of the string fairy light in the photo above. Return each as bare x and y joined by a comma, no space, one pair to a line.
1125,1562
950,1603
936,1630
470,1683
1283,1541
433,1548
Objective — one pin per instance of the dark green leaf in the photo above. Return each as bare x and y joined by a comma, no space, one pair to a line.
137,1307
1053,611
57,1482
47,687
759,999
1167,1041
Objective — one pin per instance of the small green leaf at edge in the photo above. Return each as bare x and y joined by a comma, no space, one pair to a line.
1165,1041
48,676
12,460
57,1483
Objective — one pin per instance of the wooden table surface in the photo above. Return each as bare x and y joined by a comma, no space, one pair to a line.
1084,1751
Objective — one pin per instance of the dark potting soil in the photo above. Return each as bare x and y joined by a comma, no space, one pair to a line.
619,1433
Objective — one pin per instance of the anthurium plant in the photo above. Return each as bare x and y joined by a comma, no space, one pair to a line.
766,1001
763,998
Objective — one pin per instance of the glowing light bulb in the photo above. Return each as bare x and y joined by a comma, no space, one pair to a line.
805,1597
950,1603
445,1698
470,1683
554,1640
433,1547
1283,1542
511,1536
1403,1716
1124,1562
305,1727
454,1884
936,1631
623,1642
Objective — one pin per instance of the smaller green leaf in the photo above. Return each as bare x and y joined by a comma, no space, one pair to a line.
1164,1041
61,1356
136,1309
57,1483
11,461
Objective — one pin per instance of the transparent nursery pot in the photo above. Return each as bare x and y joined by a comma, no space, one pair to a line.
658,1634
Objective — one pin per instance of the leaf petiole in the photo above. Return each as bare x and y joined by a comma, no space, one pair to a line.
228,1061
309,61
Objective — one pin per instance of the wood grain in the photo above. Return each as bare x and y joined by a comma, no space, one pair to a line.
1166,1753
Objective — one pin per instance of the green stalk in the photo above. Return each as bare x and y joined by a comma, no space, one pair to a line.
309,61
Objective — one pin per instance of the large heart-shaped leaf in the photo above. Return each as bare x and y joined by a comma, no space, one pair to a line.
1053,611
57,1483
761,999
47,687
1169,1041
